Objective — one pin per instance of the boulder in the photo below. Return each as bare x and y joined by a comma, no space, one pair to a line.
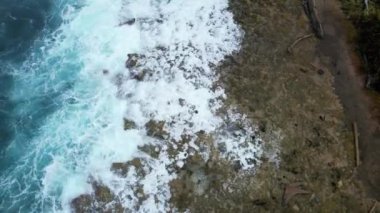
122,168
129,124
156,129
133,60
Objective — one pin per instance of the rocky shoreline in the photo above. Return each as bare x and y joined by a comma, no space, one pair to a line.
302,123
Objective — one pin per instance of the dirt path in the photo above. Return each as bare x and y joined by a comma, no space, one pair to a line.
349,86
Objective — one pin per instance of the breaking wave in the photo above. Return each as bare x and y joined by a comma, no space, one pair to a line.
122,75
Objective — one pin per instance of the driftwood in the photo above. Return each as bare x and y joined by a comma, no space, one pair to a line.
292,190
372,210
311,12
356,140
290,48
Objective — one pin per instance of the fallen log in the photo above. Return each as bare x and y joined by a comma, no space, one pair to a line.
372,210
356,140
290,48
311,12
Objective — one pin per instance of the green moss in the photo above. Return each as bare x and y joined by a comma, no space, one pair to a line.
367,23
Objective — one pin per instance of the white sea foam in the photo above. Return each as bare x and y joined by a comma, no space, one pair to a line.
179,43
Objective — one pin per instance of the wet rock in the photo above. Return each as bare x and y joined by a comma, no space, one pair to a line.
133,60
192,181
122,168
102,193
141,196
194,162
251,161
222,148
151,150
102,200
178,146
182,102
181,193
161,48
119,79
156,129
140,75
130,21
83,203
237,166
129,124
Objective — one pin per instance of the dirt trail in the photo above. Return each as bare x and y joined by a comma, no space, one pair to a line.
349,85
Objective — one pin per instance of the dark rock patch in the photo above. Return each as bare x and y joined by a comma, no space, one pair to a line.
129,124
156,129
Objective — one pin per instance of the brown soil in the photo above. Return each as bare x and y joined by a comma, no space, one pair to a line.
359,105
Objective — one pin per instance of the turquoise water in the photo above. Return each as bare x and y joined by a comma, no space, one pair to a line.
20,25
56,105
28,96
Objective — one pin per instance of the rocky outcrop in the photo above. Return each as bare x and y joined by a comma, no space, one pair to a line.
101,200
129,124
133,60
122,168
156,129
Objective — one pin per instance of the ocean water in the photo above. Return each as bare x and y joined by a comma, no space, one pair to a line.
19,26
65,90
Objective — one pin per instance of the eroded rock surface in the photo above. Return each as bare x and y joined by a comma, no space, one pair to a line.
156,129
101,200
297,119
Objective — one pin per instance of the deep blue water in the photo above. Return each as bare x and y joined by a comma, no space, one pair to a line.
25,98
48,119
21,23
